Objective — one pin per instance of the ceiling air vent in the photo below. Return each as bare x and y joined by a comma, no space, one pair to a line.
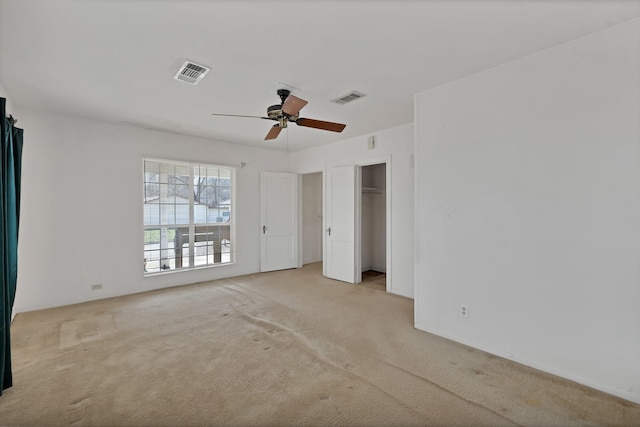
191,73
351,96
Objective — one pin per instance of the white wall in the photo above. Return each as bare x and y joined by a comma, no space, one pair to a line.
528,210
81,212
311,217
396,143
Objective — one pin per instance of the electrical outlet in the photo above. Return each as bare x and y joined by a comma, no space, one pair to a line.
96,286
464,311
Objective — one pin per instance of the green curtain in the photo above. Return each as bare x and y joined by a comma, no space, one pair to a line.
11,138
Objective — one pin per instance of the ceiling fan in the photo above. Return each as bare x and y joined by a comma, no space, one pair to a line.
288,112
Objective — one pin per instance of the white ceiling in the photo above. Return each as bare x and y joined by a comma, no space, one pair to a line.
114,60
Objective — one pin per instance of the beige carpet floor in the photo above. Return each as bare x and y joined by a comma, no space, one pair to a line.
280,348
374,280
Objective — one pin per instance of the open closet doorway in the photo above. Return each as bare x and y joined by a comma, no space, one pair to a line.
311,227
373,226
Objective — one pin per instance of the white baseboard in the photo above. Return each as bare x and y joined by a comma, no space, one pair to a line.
632,397
373,268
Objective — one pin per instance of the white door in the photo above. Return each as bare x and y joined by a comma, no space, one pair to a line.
340,230
279,221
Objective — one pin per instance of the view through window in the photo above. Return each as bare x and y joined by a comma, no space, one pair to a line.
188,215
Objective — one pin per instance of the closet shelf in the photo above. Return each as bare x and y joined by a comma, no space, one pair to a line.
372,190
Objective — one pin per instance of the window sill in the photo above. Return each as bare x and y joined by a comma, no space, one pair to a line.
185,270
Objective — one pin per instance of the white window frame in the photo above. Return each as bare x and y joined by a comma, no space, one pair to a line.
192,224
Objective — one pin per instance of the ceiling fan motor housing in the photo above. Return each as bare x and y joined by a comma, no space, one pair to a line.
274,112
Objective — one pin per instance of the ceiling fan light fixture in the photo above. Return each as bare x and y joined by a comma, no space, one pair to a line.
191,73
287,112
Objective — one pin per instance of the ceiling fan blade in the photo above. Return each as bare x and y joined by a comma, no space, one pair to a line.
319,124
292,105
237,115
273,133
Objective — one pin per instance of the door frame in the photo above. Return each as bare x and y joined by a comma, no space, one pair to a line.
388,197
300,234
387,160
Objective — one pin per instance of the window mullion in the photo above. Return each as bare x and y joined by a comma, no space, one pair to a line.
192,226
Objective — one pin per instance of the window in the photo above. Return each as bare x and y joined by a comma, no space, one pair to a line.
188,215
